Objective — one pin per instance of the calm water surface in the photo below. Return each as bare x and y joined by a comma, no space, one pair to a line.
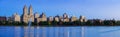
77,31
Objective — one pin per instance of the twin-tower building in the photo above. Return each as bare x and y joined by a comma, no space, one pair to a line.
27,14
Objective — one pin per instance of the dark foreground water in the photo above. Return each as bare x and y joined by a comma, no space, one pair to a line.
77,31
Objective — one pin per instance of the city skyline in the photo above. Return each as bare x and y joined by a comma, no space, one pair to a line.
36,17
104,9
41,19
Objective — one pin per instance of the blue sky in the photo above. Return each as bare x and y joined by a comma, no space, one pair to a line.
102,9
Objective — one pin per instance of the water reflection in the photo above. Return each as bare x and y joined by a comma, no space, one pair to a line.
11,31
47,31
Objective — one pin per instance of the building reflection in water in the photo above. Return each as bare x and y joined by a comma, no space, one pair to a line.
47,32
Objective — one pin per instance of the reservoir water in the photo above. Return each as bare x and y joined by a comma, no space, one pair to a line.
76,31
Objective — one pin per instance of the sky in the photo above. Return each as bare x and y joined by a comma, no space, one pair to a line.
91,9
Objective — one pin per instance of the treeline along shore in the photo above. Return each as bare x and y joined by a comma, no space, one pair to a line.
94,22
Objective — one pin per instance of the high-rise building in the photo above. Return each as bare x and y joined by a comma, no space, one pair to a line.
61,18
27,14
73,18
10,19
56,18
30,10
50,18
36,15
65,15
82,19
25,10
65,18
16,17
30,14
42,18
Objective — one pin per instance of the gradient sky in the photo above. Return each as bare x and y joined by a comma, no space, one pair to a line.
102,9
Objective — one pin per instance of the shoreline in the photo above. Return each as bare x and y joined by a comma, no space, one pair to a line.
63,26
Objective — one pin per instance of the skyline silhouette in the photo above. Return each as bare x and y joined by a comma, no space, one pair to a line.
101,9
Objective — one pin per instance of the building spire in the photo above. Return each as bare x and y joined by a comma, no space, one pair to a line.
25,10
30,10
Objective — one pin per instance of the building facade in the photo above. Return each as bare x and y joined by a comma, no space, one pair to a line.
65,18
73,18
50,18
27,14
42,18
82,19
16,17
36,15
3,18
56,18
